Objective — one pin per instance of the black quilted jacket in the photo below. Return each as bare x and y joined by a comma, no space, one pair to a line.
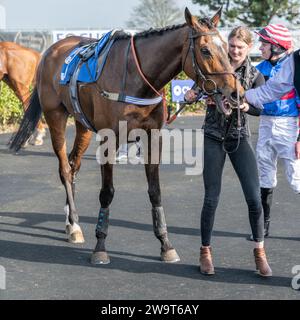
217,126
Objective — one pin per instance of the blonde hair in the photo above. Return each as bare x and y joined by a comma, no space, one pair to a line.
243,34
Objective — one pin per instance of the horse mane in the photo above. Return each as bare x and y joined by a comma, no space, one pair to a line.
150,32
160,31
121,34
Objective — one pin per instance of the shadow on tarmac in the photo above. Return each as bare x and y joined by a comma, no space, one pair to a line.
31,219
69,255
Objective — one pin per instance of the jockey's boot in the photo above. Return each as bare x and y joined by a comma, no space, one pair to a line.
266,201
266,228
206,265
262,266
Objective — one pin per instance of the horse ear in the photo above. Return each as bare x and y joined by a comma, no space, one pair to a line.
189,18
216,18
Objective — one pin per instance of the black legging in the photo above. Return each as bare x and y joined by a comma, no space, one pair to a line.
244,164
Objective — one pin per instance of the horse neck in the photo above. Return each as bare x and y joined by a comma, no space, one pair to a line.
160,57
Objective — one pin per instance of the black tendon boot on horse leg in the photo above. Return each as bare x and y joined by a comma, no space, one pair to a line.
168,253
100,255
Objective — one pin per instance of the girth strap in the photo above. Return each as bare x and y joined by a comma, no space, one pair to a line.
129,99
78,113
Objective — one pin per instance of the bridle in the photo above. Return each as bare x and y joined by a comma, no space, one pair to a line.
206,81
199,74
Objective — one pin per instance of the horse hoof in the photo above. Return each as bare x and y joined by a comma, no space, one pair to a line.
37,139
76,237
170,256
25,144
38,143
100,258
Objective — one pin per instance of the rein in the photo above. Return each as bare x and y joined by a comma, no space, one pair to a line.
136,60
122,97
238,127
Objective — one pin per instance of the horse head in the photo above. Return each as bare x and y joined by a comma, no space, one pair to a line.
209,64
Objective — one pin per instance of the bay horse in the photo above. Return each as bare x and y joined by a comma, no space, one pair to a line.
195,47
18,66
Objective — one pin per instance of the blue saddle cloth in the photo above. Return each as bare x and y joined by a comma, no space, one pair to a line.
90,70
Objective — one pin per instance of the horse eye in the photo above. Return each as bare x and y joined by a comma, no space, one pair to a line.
205,51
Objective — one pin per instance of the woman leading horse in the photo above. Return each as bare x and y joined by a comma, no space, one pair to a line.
195,47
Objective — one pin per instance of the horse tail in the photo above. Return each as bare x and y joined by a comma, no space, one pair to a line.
29,122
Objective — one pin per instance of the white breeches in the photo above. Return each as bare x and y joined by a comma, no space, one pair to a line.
277,138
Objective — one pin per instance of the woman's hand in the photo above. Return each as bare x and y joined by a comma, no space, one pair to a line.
244,107
210,101
190,96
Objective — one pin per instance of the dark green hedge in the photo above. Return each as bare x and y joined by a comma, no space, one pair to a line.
11,110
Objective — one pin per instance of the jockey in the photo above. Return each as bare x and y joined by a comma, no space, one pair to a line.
279,124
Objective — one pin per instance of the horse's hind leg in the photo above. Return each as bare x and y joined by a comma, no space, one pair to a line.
81,143
168,253
57,120
100,255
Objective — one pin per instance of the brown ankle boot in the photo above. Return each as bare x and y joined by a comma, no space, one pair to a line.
262,266
206,265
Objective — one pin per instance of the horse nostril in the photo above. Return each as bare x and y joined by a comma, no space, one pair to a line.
234,96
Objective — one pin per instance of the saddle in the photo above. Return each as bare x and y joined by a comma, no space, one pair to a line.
85,64
92,57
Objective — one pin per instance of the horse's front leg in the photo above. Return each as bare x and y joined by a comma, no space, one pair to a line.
100,255
168,253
